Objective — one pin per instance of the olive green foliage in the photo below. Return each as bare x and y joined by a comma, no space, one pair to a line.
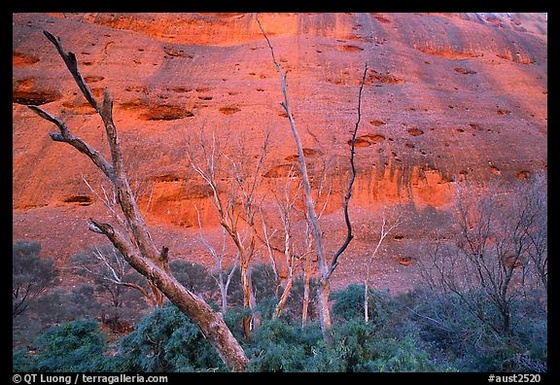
32,275
357,346
76,346
361,347
167,341
277,346
349,303
473,344
413,332
193,276
419,331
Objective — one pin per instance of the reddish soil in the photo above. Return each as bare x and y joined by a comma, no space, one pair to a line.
448,99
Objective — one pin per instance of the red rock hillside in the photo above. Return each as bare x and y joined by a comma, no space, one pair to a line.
447,98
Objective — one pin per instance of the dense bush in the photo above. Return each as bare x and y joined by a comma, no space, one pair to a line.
277,346
472,344
389,342
76,346
356,347
422,330
369,347
32,275
167,341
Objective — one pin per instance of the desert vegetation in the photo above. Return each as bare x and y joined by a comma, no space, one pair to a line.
424,330
483,314
266,304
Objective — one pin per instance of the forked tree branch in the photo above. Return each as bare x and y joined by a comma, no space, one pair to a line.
67,136
72,64
115,170
138,248
313,218
348,195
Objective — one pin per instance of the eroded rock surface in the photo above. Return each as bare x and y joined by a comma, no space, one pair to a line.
447,98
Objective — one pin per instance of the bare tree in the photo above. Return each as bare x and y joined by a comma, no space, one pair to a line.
285,198
296,246
498,240
223,280
108,267
532,199
385,229
133,239
305,248
237,204
325,267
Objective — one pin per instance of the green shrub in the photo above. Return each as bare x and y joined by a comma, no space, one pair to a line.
348,303
76,346
277,346
362,347
32,275
389,342
167,341
462,339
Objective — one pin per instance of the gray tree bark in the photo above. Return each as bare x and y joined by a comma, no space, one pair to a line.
136,245
325,267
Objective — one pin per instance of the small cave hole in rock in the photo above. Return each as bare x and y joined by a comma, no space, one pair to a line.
415,131
81,200
229,110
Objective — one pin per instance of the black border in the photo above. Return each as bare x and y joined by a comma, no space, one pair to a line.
324,6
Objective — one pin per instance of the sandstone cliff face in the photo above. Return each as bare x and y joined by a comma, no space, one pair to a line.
448,98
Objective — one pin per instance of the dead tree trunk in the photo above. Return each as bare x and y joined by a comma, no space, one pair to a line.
237,209
136,245
325,268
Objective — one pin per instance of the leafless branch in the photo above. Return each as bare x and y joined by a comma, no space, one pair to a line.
325,270
138,249
69,137
301,156
72,64
348,195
